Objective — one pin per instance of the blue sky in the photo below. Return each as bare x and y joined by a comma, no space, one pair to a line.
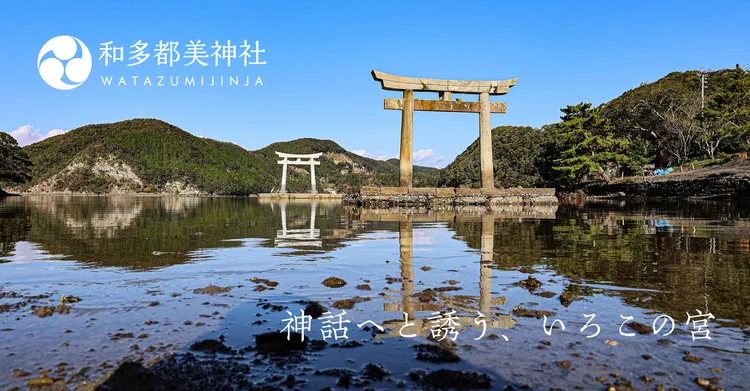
319,55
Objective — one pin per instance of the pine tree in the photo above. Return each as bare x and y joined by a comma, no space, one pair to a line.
728,111
585,146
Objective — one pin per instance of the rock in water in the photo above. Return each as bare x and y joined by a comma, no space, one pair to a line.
435,354
277,342
334,282
315,310
211,346
530,284
212,290
452,379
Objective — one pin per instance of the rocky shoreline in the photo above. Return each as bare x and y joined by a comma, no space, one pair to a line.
727,181
699,188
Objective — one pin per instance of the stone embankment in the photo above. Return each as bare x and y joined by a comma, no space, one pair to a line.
372,196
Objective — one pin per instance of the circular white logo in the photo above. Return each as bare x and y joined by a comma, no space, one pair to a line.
61,65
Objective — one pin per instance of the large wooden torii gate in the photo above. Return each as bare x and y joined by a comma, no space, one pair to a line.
444,88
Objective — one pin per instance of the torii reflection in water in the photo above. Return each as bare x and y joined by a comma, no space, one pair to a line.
298,237
411,305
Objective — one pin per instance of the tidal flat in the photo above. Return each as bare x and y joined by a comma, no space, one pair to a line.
140,293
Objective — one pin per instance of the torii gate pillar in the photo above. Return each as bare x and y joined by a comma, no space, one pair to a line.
407,140
485,142
444,88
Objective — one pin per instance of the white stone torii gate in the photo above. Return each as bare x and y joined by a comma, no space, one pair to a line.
298,237
299,160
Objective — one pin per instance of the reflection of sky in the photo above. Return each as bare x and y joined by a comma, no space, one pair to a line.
423,237
27,252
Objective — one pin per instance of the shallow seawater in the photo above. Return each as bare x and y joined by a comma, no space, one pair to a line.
138,264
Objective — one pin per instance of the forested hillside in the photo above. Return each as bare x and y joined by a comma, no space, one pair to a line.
152,156
667,123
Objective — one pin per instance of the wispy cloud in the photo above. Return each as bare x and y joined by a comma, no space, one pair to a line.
27,134
362,152
422,157
427,155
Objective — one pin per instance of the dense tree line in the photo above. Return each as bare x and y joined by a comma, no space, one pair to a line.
15,166
679,124
668,123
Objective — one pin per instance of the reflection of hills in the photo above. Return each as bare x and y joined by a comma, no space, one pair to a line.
103,217
637,247
151,232
180,204
15,223
670,260
127,231
694,249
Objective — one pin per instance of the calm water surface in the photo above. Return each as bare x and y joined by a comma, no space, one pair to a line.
135,264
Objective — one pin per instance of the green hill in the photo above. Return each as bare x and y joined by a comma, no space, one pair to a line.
515,151
622,109
149,155
312,145
664,113
660,123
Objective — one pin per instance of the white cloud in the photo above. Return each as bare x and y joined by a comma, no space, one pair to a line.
26,134
422,157
427,157
423,154
421,237
363,153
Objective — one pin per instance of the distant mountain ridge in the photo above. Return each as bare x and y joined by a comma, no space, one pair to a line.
152,156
